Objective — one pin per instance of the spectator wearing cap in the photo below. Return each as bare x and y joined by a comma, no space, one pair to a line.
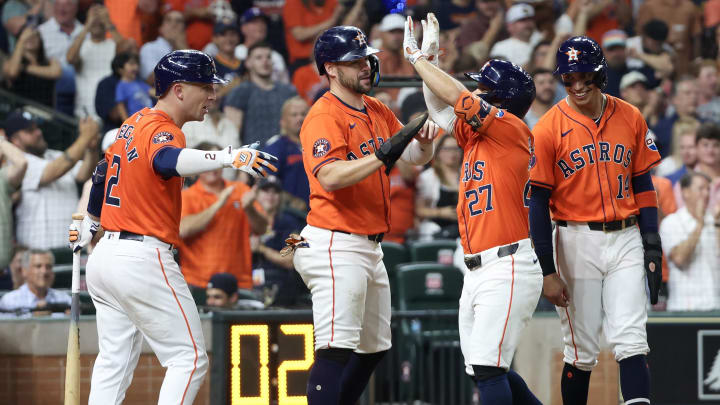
545,85
254,29
278,271
49,188
217,219
172,37
634,90
13,165
392,60
222,291
255,105
683,101
226,36
708,100
483,29
35,294
650,50
686,21
286,147
615,51
520,24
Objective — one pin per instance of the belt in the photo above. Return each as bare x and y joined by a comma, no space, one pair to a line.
377,237
476,261
126,235
608,226
131,236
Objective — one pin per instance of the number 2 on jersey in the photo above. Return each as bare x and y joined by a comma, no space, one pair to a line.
112,182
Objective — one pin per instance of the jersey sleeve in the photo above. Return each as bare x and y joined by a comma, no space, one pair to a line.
325,141
646,152
163,136
542,158
475,116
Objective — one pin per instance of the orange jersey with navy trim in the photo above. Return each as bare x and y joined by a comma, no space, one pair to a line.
589,167
335,131
137,199
493,196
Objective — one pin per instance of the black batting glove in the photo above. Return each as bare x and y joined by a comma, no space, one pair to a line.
392,149
653,255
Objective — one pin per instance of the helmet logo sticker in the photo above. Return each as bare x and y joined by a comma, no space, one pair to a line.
573,54
361,39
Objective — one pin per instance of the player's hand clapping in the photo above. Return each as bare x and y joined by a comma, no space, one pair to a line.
250,160
410,46
555,290
431,38
428,132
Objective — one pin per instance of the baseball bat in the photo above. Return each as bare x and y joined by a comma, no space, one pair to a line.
72,363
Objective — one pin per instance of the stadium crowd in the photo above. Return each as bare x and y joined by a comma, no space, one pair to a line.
94,60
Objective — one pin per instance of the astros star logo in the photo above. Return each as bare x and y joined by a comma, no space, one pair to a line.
361,39
573,54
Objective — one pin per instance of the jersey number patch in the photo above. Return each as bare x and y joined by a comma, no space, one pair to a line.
112,182
474,198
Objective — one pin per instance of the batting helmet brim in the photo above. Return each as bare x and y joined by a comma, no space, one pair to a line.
357,54
577,68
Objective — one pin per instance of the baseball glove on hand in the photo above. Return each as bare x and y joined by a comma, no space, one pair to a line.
79,238
250,160
653,264
392,149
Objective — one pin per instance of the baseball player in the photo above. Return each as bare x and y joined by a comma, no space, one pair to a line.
135,284
594,153
350,142
503,284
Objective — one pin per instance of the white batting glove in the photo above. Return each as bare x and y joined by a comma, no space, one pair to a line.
431,38
250,160
410,46
79,238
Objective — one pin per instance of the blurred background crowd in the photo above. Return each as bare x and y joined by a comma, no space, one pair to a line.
90,63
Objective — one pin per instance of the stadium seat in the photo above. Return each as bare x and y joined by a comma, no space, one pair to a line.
393,255
62,255
428,251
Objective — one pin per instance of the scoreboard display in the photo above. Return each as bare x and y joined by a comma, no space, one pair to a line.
261,361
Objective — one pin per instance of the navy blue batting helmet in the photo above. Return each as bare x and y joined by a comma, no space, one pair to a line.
344,44
184,65
511,87
582,54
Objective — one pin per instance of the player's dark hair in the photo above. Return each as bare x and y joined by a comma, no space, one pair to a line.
708,130
205,145
261,44
687,178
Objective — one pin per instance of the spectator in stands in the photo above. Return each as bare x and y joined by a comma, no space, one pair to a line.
437,196
684,18
520,23
392,61
615,50
49,188
486,26
254,106
13,165
545,85
283,282
286,147
307,81
222,291
105,106
172,37
708,100
690,241
91,53
683,154
131,17
214,128
217,219
603,16
18,14
35,293
451,14
254,29
684,100
634,89
305,20
650,51
28,72
11,276
226,36
200,18
131,93
707,144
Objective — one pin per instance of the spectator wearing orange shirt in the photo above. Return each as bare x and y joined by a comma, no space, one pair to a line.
200,17
128,16
307,81
217,218
603,16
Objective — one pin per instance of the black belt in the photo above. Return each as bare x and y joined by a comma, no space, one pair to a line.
608,226
377,237
131,236
476,261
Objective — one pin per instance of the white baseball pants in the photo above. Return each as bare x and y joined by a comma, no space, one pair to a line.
139,292
350,290
605,276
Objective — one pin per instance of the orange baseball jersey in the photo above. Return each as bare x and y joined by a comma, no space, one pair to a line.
493,196
224,245
589,167
335,131
137,199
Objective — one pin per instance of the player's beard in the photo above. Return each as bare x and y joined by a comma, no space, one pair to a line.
353,84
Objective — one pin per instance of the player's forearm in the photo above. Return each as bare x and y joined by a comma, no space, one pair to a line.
440,112
541,228
682,254
417,153
342,173
444,86
193,224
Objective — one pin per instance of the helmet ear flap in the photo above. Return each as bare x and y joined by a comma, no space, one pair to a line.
374,70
